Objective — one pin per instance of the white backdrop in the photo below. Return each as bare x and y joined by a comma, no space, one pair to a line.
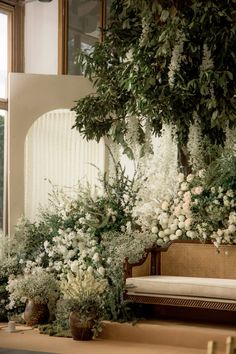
55,152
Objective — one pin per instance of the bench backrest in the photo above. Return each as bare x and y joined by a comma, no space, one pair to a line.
193,259
199,260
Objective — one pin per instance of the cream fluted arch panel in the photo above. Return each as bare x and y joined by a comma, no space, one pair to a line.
31,96
58,156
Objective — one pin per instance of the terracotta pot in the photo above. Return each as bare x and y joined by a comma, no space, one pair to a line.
35,313
80,331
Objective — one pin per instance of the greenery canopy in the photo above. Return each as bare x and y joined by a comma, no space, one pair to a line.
131,70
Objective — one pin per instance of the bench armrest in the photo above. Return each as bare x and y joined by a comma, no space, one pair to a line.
155,263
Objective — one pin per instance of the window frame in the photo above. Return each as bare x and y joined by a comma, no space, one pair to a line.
15,12
63,10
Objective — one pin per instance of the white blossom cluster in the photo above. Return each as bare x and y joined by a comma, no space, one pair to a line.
207,61
132,134
223,207
38,286
176,59
173,217
74,251
145,31
77,287
158,171
170,218
195,148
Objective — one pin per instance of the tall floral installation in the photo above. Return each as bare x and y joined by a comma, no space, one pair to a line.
165,68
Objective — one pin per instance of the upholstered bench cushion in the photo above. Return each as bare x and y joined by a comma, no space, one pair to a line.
183,286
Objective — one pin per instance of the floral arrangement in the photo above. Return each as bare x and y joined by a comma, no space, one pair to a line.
85,295
88,238
203,207
38,286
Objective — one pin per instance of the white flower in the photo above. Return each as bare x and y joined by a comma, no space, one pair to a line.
90,269
181,225
230,193
179,233
187,223
232,228
173,227
154,230
101,271
74,266
96,257
173,237
201,173
184,186
189,178
180,177
198,190
165,205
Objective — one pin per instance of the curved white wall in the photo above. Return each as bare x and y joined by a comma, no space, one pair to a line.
31,96
57,156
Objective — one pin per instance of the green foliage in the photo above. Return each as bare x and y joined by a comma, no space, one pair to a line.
214,209
222,173
28,239
130,70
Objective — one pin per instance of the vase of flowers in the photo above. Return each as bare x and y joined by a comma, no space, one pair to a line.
85,297
36,313
36,290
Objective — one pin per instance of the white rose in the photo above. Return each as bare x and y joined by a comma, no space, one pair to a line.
184,186
232,228
154,230
173,237
198,190
181,224
190,234
190,177
178,233
188,222
164,205
180,177
173,227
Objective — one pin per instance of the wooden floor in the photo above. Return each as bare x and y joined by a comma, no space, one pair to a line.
159,337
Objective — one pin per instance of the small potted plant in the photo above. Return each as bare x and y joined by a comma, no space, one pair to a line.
85,298
37,289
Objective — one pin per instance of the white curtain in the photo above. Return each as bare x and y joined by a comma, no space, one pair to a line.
57,155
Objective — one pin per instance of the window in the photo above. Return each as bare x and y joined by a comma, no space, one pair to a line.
81,24
11,59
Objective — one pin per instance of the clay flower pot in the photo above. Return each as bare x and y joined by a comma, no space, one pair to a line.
35,313
80,330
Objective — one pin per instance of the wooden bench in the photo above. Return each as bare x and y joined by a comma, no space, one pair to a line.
186,278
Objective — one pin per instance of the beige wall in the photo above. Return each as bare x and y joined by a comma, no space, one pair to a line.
30,96
41,37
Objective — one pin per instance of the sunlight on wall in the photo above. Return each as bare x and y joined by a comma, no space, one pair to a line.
54,152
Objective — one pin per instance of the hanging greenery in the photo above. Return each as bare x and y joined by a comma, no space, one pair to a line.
162,61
